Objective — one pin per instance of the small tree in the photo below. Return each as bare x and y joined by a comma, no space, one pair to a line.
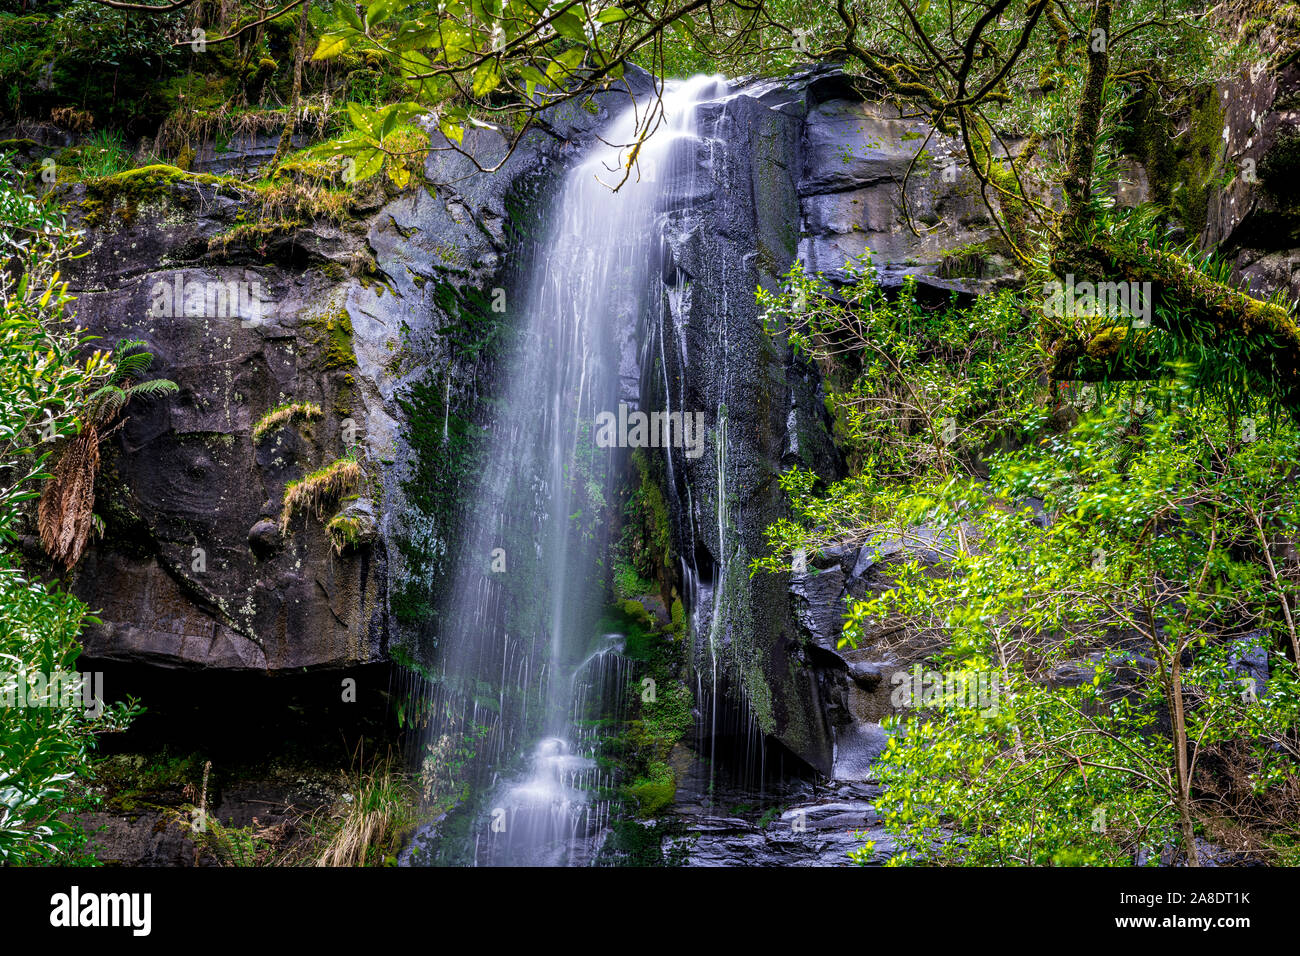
66,512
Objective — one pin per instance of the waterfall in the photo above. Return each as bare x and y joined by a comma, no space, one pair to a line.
521,668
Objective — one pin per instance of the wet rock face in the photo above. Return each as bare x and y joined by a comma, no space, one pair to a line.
799,169
455,260
707,352
871,180
858,682
144,838
157,830
193,570
243,153
1255,220
814,829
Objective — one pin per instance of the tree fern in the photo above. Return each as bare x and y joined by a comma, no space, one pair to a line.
66,519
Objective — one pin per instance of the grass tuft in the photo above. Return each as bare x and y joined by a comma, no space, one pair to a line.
347,532
320,489
374,822
289,413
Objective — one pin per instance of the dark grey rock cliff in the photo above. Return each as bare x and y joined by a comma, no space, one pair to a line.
191,570
802,168
1254,221
387,325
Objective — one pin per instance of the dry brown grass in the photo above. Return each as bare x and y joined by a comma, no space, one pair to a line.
290,412
65,515
375,822
288,198
320,490
361,830
1258,824
187,127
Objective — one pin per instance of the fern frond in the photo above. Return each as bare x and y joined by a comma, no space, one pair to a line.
153,388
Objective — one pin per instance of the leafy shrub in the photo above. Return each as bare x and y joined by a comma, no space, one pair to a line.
43,392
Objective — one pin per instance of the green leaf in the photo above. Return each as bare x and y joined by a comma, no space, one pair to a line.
486,78
454,42
452,131
399,174
347,11
331,45
365,119
378,11
570,26
533,77
368,163
415,35
394,115
564,65
612,15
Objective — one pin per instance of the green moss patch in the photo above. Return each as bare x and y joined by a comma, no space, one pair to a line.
349,532
122,194
332,332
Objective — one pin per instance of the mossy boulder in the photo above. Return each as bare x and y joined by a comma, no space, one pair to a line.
124,194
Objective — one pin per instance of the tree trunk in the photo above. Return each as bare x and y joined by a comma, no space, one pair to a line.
1082,158
298,56
1181,760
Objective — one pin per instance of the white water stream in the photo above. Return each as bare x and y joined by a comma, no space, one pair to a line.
513,668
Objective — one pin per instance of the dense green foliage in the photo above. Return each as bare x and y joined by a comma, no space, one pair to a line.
1111,620
912,388
45,390
1154,561
659,716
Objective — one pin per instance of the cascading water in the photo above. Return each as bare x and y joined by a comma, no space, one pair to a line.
521,657
555,814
